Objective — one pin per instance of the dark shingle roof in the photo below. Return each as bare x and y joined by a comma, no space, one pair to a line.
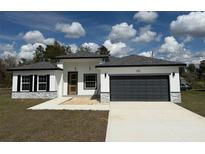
36,66
81,54
135,60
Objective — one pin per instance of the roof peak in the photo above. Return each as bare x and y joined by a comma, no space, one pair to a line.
81,54
138,60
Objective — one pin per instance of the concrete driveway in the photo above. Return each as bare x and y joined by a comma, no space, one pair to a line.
153,121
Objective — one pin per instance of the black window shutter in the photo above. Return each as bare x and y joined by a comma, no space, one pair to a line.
35,83
19,83
48,83
31,82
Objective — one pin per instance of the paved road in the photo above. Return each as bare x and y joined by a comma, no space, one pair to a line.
161,121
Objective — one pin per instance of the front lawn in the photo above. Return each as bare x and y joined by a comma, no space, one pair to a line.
19,124
194,101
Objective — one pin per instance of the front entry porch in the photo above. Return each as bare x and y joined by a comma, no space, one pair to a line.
72,103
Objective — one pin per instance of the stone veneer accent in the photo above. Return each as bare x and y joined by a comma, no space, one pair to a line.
175,97
104,97
37,95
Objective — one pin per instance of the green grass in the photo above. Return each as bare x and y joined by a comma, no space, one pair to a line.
199,84
19,124
194,101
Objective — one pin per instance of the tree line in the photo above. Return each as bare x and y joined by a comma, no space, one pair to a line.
51,51
40,54
191,73
194,75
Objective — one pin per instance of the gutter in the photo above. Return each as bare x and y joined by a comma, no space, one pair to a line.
101,66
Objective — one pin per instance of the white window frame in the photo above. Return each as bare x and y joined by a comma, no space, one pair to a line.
24,82
41,83
85,82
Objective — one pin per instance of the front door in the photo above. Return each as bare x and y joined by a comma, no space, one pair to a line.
72,83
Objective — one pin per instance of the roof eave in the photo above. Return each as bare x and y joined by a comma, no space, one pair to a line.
37,69
100,66
80,57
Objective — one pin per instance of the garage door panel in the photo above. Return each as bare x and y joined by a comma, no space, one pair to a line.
139,88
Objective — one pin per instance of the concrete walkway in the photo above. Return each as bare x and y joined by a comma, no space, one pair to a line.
57,104
153,122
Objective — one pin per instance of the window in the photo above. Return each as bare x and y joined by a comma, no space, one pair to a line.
90,81
42,82
25,83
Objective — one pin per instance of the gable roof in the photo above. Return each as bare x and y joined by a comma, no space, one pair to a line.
81,54
36,66
136,60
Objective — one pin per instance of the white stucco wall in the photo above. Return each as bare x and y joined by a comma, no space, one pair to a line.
174,80
14,82
59,82
82,66
54,82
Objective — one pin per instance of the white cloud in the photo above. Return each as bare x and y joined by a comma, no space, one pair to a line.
191,24
187,39
11,37
146,53
7,53
146,16
93,46
27,51
146,35
74,30
7,50
34,39
175,51
73,48
35,45
171,46
122,31
118,49
200,54
48,41
197,57
6,47
37,37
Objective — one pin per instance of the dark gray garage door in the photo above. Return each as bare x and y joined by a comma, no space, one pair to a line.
139,88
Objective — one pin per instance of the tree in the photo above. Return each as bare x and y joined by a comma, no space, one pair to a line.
54,50
83,49
202,66
181,71
202,69
51,51
103,51
7,61
10,61
2,72
191,68
68,49
39,54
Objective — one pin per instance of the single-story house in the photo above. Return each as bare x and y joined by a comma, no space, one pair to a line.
130,78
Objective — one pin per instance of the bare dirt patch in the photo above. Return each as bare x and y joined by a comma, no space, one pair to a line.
84,100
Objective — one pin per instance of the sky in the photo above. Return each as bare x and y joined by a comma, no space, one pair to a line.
176,36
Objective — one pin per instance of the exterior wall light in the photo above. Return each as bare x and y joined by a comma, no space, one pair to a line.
173,74
105,75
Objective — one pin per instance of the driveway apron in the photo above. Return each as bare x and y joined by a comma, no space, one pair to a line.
153,121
